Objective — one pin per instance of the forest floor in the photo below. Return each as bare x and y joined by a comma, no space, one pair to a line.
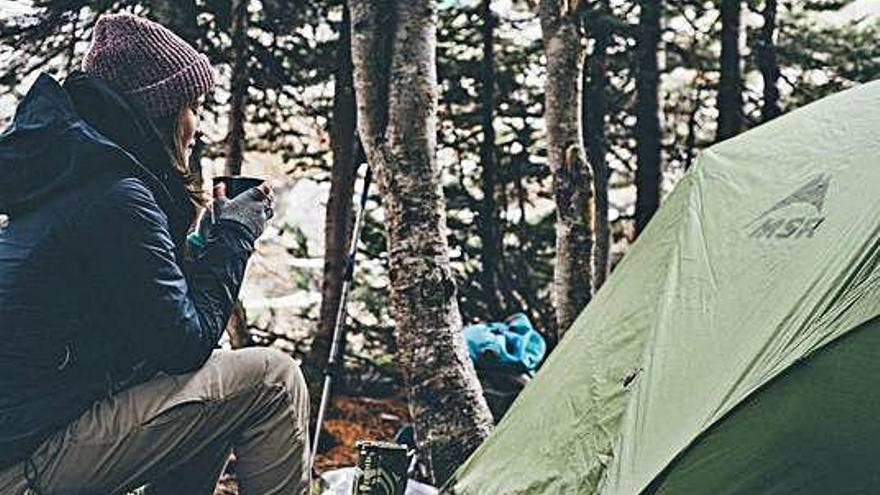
350,420
360,418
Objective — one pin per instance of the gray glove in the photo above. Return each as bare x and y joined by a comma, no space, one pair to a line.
252,208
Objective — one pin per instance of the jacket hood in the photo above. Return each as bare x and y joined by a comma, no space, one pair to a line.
60,137
33,162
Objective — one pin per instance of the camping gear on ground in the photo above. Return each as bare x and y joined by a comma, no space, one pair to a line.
417,469
504,355
334,361
514,341
734,350
406,435
381,469
502,384
236,184
341,481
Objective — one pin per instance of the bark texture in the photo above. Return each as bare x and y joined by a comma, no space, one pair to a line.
766,53
490,223
595,108
648,173
339,218
238,88
730,101
393,49
572,176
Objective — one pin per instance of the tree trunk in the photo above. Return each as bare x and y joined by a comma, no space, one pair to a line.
730,102
766,52
594,109
237,325
572,177
690,142
394,55
338,221
648,173
238,88
491,231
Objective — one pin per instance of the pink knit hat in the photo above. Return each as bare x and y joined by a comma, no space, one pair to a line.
154,67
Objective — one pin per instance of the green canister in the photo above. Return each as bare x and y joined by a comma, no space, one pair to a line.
381,469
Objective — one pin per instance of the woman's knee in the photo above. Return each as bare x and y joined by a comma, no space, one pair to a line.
262,367
283,369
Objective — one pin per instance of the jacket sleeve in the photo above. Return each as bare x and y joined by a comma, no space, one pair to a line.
176,321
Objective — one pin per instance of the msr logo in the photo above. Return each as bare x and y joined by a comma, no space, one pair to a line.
798,215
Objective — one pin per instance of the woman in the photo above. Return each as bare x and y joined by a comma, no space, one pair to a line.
108,374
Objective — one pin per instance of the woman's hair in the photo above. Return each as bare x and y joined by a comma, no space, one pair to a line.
169,131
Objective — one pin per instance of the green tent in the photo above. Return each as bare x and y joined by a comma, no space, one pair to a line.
736,348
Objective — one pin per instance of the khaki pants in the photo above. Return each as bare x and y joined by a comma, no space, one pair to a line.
175,433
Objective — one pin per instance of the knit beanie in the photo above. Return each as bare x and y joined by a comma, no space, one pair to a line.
151,65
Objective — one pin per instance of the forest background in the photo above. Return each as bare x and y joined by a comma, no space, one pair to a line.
653,83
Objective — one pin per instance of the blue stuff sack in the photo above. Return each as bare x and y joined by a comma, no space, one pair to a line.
513,342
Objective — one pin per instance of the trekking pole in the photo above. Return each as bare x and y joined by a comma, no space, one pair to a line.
335,360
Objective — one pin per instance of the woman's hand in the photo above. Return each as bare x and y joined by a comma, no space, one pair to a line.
252,208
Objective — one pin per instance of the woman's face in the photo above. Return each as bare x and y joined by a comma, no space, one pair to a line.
187,127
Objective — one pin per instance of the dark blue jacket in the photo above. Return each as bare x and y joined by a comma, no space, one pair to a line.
93,295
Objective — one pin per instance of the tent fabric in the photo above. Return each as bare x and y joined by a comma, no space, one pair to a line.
765,252
812,430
